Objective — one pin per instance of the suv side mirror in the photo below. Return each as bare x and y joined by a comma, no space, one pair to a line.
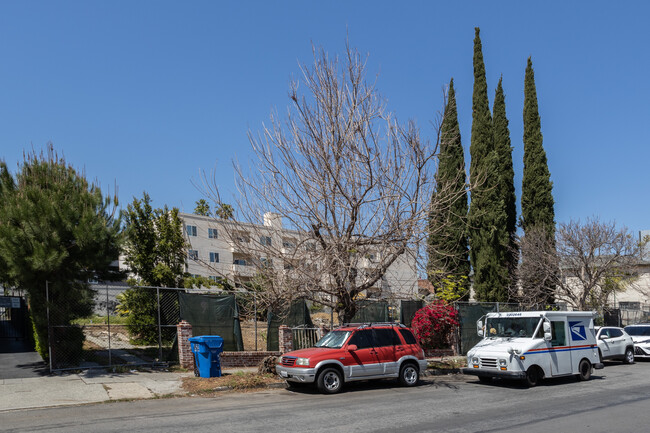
352,347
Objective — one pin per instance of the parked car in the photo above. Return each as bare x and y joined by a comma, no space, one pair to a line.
641,335
615,343
357,352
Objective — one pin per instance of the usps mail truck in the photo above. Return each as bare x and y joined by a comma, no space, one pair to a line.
534,345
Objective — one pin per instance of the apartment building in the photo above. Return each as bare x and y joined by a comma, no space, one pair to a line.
237,251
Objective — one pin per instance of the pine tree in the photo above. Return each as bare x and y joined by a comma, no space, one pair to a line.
448,249
57,232
507,183
536,194
487,219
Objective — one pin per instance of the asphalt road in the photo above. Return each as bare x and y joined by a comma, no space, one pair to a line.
616,399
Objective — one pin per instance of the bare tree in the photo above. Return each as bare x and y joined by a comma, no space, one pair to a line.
538,268
344,190
595,260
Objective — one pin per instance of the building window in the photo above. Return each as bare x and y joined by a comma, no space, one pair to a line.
191,230
192,254
288,243
214,257
212,233
240,262
266,262
265,240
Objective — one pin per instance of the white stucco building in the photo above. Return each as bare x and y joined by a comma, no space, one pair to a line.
234,251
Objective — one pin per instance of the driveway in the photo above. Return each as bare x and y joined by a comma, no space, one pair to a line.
19,361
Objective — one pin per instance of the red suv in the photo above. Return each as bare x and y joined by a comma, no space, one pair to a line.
356,352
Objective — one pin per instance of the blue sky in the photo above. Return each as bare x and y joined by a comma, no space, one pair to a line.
144,95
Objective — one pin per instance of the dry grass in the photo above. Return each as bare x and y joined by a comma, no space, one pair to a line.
448,363
240,381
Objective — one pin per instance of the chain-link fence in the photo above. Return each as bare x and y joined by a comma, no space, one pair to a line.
113,326
118,325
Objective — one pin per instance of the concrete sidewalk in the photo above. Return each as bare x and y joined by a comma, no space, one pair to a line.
92,386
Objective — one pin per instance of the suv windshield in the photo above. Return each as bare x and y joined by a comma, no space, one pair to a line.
334,339
638,331
521,327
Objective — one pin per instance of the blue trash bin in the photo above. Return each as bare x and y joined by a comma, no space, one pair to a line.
207,350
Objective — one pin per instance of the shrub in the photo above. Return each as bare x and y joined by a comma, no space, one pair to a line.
434,324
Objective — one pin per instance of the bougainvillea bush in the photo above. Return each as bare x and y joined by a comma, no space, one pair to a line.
434,324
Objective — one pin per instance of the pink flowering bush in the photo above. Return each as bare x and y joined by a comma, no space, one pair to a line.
434,324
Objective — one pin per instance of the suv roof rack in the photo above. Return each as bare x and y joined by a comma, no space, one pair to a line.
369,324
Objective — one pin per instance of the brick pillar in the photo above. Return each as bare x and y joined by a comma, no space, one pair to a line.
185,358
285,339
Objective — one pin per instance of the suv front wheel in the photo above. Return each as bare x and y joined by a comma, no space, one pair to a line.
329,381
409,375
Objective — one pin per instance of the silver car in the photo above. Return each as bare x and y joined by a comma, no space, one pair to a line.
615,343
641,335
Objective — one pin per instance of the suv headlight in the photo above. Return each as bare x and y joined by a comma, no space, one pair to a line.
302,361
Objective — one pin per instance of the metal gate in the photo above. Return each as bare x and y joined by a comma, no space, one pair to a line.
304,337
13,318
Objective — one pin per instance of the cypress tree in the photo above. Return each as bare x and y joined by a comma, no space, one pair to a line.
536,194
507,183
487,220
448,267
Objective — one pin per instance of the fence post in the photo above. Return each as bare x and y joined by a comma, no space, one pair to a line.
49,325
159,326
255,317
108,321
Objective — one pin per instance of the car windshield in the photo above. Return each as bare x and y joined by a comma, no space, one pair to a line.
521,327
334,339
638,331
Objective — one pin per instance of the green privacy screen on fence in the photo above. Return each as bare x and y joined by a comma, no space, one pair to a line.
407,310
371,311
213,315
297,315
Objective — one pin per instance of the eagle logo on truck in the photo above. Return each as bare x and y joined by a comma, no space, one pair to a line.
578,332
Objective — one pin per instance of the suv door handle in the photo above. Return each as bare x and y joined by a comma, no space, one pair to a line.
399,349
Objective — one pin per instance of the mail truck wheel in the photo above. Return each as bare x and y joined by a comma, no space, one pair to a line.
629,356
409,375
584,370
329,381
532,376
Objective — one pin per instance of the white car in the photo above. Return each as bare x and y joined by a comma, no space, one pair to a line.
615,343
641,335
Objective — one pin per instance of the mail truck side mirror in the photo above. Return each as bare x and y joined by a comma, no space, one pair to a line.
479,328
547,331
